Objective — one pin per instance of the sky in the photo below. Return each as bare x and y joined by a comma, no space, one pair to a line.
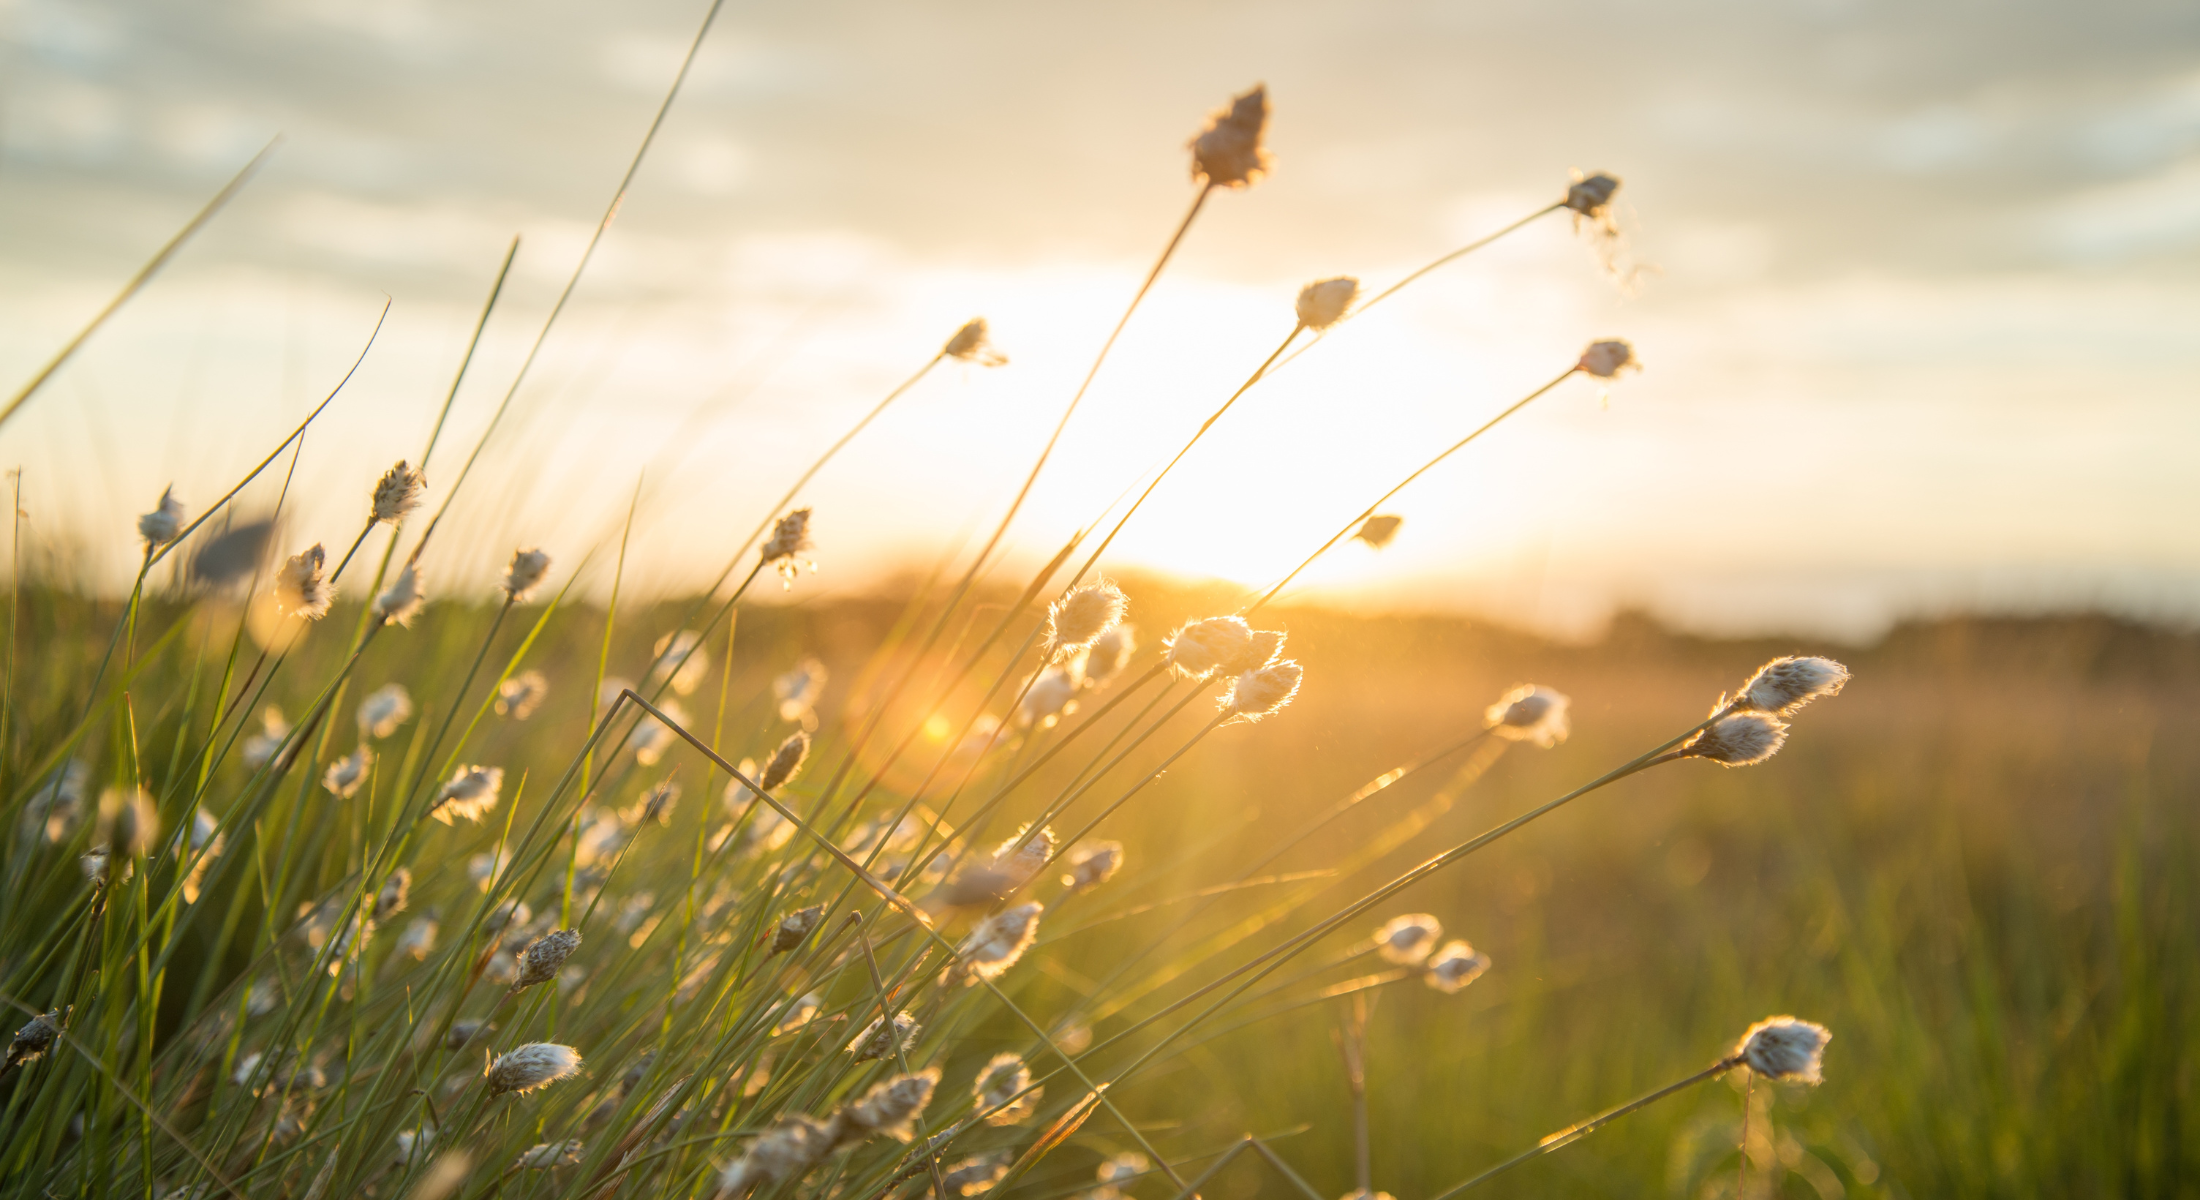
1916,289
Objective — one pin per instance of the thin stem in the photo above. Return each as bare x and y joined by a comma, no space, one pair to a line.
1425,468
472,344
1574,1133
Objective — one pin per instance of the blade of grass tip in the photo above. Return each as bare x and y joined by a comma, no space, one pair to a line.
1424,469
139,280
1574,1133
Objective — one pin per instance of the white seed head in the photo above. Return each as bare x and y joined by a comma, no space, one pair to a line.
878,1041
396,892
540,961
1092,864
1021,856
57,806
796,926
1608,358
1379,530
799,1014
1408,939
892,1107
470,794
544,1155
384,709
1201,648
798,690
400,602
1741,740
343,777
259,747
1228,152
524,573
418,939
1590,195
1004,1087
790,539
400,490
160,526
1786,684
971,343
519,696
787,1150
680,661
525,1068
1077,620
786,761
1261,650
651,737
997,942
975,1175
1323,303
1785,1048
1123,1168
129,822
1530,714
1052,694
1454,967
1260,693
300,591
1110,652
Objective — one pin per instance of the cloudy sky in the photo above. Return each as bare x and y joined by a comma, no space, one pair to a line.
1919,290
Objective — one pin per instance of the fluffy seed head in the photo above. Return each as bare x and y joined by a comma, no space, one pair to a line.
1078,619
160,526
1590,196
1408,939
471,793
1608,358
299,589
540,961
892,1107
997,942
1741,740
971,344
787,1150
651,737
1093,864
129,822
1004,1086
1203,647
1228,152
396,890
259,747
1022,855
343,777
680,661
525,1068
400,491
798,690
519,696
1785,1048
544,1155
400,602
785,761
1378,530
1530,714
795,926
1455,966
1786,684
34,1038
881,1041
1110,652
384,709
1322,303
790,538
462,1032
1260,693
976,1175
1050,695
524,573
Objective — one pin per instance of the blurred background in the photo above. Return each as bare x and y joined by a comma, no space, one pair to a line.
1915,286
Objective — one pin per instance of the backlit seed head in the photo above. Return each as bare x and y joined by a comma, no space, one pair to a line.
976,1175
1785,1048
786,761
790,539
1608,358
1454,967
1786,684
651,737
996,943
1378,531
1004,1087
1052,694
880,1041
787,1150
540,961
519,696
803,1011
656,804
1110,652
1408,939
462,1032
94,864
300,591
259,747
1260,693
892,1107
384,709
396,891
1741,740
1078,619
400,490
795,926
1093,864
524,573
544,1155
57,806
160,526
1530,714
680,661
798,690
971,344
343,777
1123,1168
534,1065
1323,303
1228,152
1021,856
470,794
1262,650
34,1038
1589,196
400,602
129,822
1201,648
